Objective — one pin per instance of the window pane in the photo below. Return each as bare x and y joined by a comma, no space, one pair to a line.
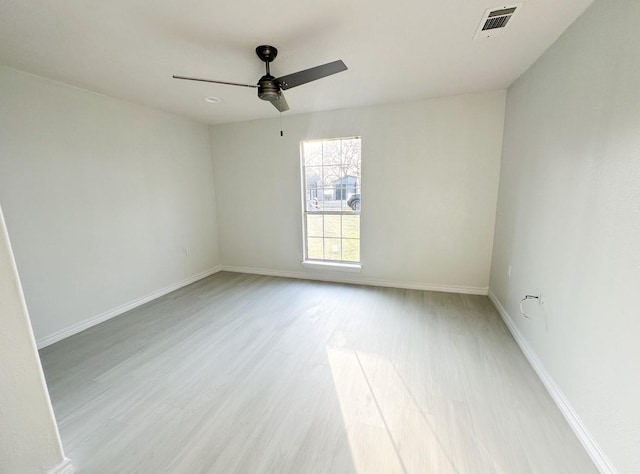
331,152
351,227
313,176
332,249
351,250
331,174
332,226
314,248
313,192
314,225
312,153
325,195
351,157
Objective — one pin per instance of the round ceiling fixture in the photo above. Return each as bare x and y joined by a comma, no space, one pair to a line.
212,100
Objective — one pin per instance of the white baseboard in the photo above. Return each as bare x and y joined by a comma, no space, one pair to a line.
87,323
596,454
65,467
337,277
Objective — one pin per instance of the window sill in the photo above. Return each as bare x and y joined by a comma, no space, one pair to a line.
339,267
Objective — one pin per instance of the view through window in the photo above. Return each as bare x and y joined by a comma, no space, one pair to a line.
331,189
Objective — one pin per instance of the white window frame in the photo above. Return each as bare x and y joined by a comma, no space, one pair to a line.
326,264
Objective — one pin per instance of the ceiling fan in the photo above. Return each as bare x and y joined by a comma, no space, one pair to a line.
270,88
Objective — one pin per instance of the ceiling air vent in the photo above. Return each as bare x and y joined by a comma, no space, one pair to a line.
495,21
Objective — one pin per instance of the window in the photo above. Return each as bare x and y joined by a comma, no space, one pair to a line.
331,199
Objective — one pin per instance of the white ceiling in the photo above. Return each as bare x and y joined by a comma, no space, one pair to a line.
395,51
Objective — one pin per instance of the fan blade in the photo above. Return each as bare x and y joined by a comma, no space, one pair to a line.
308,75
215,82
280,103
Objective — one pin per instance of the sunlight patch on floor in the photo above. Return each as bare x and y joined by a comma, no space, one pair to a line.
387,431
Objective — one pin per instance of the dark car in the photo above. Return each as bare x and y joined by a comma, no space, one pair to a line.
354,202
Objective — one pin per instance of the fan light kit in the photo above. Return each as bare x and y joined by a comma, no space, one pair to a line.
269,87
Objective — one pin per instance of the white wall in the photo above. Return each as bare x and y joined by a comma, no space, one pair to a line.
101,197
429,184
569,220
29,440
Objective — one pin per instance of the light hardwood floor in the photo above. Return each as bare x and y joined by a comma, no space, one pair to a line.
241,373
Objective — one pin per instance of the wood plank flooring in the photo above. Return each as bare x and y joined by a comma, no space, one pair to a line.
242,373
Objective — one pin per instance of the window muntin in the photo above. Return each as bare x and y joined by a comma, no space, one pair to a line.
331,199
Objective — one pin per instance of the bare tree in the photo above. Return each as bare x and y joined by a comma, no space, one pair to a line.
340,158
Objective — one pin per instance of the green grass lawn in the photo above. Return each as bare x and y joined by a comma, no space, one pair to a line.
339,241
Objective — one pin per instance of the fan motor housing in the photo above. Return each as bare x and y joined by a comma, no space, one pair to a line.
267,89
